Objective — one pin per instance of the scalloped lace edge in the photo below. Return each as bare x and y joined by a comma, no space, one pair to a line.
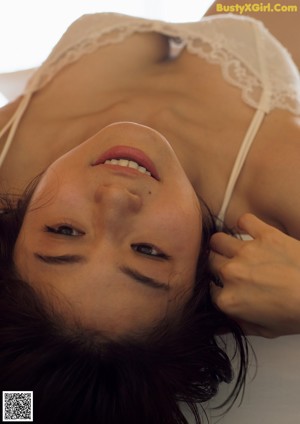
233,69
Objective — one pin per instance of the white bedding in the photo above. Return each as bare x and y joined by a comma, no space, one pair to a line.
273,397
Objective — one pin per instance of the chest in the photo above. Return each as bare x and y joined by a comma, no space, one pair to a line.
271,175
172,96
184,100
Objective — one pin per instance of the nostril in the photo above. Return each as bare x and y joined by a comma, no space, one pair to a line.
136,201
118,197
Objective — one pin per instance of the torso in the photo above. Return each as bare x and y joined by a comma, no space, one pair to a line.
184,100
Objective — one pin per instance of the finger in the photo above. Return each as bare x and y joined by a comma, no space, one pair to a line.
216,262
225,244
252,225
215,293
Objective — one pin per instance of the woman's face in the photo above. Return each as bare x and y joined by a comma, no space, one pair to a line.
119,244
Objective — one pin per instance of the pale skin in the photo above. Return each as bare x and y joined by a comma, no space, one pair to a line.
120,229
201,131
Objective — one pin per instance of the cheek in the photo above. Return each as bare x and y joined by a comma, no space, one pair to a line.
180,208
183,226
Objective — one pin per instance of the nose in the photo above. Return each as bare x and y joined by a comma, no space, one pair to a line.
117,201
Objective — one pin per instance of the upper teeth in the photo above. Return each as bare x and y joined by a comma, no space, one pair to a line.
129,163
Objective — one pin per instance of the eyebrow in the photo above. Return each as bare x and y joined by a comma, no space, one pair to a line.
130,272
140,278
60,260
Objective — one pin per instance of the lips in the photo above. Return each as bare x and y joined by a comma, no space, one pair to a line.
130,153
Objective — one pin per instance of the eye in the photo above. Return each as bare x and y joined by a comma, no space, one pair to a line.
149,250
64,230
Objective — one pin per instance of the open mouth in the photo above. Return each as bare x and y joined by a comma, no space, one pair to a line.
129,164
129,157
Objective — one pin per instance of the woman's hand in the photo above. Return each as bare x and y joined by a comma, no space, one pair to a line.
261,278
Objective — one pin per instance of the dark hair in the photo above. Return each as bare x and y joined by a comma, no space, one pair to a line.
79,375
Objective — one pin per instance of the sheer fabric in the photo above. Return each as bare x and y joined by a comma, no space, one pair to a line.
227,40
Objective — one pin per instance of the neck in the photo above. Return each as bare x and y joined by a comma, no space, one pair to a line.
205,146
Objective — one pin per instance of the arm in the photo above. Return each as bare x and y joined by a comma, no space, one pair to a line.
284,25
261,278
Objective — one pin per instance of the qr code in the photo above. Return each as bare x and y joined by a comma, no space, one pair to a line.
17,406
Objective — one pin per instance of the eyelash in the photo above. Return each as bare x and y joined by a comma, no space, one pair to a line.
59,229
143,250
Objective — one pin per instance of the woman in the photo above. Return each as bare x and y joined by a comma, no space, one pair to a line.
136,145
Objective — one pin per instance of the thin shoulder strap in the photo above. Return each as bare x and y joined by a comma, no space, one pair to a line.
262,110
12,125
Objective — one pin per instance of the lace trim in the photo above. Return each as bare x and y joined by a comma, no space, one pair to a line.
93,42
239,75
218,51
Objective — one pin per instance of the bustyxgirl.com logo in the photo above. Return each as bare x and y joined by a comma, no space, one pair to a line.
256,8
